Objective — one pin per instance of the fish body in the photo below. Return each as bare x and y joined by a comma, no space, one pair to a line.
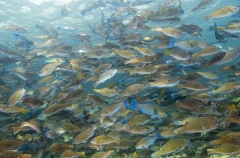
83,136
105,76
15,28
48,69
71,153
131,90
209,50
207,75
106,92
104,140
215,59
55,108
198,125
51,43
103,154
173,145
171,32
152,109
145,142
226,88
128,54
190,104
144,70
165,81
202,4
16,97
224,149
144,51
185,45
193,85
231,29
179,55
166,13
109,110
222,12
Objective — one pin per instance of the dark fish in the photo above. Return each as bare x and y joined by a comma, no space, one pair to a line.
65,11
216,58
218,36
202,4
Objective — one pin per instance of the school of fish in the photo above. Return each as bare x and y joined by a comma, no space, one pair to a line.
150,87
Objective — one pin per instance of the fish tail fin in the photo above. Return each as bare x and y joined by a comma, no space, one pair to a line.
23,111
95,84
233,107
177,131
125,103
194,9
195,55
117,141
167,52
133,104
212,28
172,42
206,18
152,29
16,36
211,94
173,95
83,13
15,130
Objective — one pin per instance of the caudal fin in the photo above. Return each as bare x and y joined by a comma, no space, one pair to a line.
172,42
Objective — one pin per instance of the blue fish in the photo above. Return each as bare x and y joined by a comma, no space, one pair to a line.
149,108
26,43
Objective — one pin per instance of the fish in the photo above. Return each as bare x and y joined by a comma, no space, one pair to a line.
104,140
165,81
209,50
218,36
65,11
202,4
15,28
48,69
144,51
222,12
105,76
72,153
224,149
83,136
185,45
207,75
215,59
149,108
144,70
147,141
198,125
128,54
226,88
131,90
179,55
106,92
171,32
103,154
109,110
173,145
16,97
